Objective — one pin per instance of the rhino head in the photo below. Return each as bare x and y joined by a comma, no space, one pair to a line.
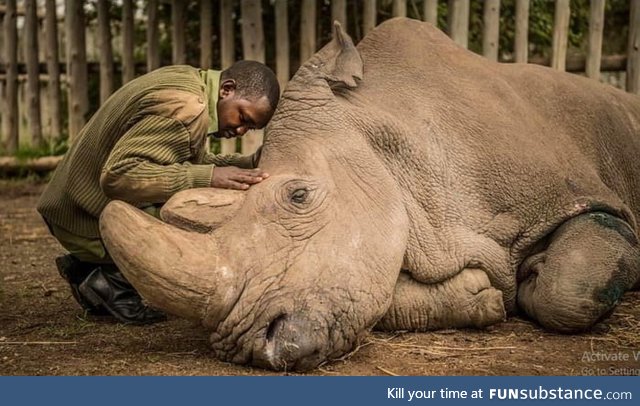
294,271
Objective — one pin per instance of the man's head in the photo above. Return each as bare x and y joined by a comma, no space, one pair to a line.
249,93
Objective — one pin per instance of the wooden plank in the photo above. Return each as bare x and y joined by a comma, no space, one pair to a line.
106,51
178,41
339,12
560,34
13,166
52,51
430,11
521,46
227,51
369,14
399,8
491,29
596,27
307,30
128,63
458,21
10,121
76,67
633,51
253,49
153,36
206,33
282,42
33,83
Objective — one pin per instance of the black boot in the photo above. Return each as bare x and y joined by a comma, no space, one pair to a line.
108,288
74,272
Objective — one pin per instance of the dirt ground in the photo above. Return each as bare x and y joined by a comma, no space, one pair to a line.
44,332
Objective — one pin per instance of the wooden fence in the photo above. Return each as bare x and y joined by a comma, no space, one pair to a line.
33,92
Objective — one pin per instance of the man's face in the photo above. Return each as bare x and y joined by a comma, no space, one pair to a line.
237,115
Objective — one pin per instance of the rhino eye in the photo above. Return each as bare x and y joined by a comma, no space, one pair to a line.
299,196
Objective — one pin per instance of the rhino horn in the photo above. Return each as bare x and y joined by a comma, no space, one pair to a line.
178,271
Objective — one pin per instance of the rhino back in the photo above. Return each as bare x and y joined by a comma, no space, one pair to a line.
498,141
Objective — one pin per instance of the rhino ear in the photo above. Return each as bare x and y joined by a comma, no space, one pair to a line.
339,62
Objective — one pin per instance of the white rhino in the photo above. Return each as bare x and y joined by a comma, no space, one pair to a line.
415,186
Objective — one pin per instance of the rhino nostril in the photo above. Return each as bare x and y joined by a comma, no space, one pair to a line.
274,326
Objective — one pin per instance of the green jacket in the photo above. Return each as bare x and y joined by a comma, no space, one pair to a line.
145,144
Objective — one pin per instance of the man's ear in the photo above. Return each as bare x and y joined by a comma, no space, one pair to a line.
227,88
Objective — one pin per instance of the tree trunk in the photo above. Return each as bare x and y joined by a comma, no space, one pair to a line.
206,33
282,43
33,71
253,49
106,51
399,8
11,60
458,21
53,69
633,52
369,12
227,56
430,11
76,67
521,46
491,30
179,56
307,30
128,64
560,34
153,36
596,26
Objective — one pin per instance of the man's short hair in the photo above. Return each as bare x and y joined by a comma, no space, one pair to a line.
253,81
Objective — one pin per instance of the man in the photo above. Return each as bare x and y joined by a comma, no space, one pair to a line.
146,143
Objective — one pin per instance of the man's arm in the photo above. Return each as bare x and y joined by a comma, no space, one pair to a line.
241,161
149,163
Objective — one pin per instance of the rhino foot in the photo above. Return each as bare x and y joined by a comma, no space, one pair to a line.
465,300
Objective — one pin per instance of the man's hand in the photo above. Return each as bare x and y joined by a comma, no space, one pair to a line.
231,177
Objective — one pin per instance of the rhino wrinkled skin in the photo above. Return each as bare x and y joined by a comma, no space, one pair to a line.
414,186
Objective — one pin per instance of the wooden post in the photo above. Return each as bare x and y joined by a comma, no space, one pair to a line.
227,56
106,51
491,30
153,36
76,67
179,54
339,12
368,16
307,30
206,33
521,46
430,11
253,49
53,69
560,34
33,72
633,51
282,43
458,21
128,64
10,122
596,26
399,8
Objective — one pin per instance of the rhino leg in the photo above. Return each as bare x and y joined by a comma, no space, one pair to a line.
465,300
590,261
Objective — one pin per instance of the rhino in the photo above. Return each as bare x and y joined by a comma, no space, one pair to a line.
414,186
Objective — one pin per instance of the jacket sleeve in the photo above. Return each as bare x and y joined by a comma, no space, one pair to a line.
241,161
149,163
